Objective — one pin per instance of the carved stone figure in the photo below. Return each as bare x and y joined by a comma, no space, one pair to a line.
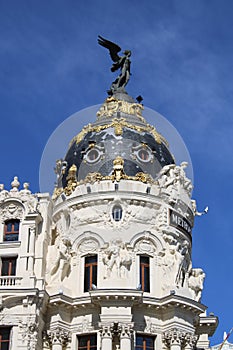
61,264
172,179
195,211
175,265
195,283
169,268
3,193
117,259
28,198
184,264
120,62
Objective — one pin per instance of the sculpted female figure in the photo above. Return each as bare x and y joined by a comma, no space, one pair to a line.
120,62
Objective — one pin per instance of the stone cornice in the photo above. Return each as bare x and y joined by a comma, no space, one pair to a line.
207,324
174,301
130,297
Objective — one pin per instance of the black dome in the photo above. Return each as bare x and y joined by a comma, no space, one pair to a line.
96,151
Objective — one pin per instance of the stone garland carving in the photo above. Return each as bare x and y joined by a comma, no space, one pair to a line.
195,283
150,327
86,216
89,245
145,246
84,327
29,334
161,219
146,215
117,260
172,180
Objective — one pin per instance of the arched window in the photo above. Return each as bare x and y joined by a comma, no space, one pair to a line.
11,230
117,212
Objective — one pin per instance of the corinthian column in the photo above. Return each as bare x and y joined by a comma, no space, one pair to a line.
106,338
125,337
190,341
58,338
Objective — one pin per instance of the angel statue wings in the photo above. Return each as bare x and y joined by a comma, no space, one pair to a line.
119,62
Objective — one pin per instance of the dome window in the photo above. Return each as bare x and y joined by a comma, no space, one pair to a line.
92,155
144,155
117,213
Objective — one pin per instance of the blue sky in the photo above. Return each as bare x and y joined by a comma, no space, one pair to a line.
182,64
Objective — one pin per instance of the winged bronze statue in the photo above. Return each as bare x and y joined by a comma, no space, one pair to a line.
119,62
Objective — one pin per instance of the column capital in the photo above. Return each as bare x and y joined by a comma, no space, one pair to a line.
106,330
58,336
190,341
174,336
125,329
177,336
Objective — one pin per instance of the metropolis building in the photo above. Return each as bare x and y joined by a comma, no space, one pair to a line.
106,262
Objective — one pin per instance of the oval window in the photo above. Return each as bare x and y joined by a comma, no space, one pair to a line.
117,213
92,155
144,155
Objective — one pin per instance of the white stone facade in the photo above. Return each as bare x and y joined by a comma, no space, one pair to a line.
111,261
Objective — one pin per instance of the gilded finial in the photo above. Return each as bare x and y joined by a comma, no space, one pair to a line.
118,168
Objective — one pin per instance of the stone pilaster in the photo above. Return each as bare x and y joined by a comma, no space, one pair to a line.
125,336
106,337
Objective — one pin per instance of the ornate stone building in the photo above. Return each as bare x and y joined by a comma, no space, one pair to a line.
106,263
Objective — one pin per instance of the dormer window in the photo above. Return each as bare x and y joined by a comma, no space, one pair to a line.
11,230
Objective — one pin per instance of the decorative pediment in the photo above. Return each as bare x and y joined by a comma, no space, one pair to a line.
12,209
